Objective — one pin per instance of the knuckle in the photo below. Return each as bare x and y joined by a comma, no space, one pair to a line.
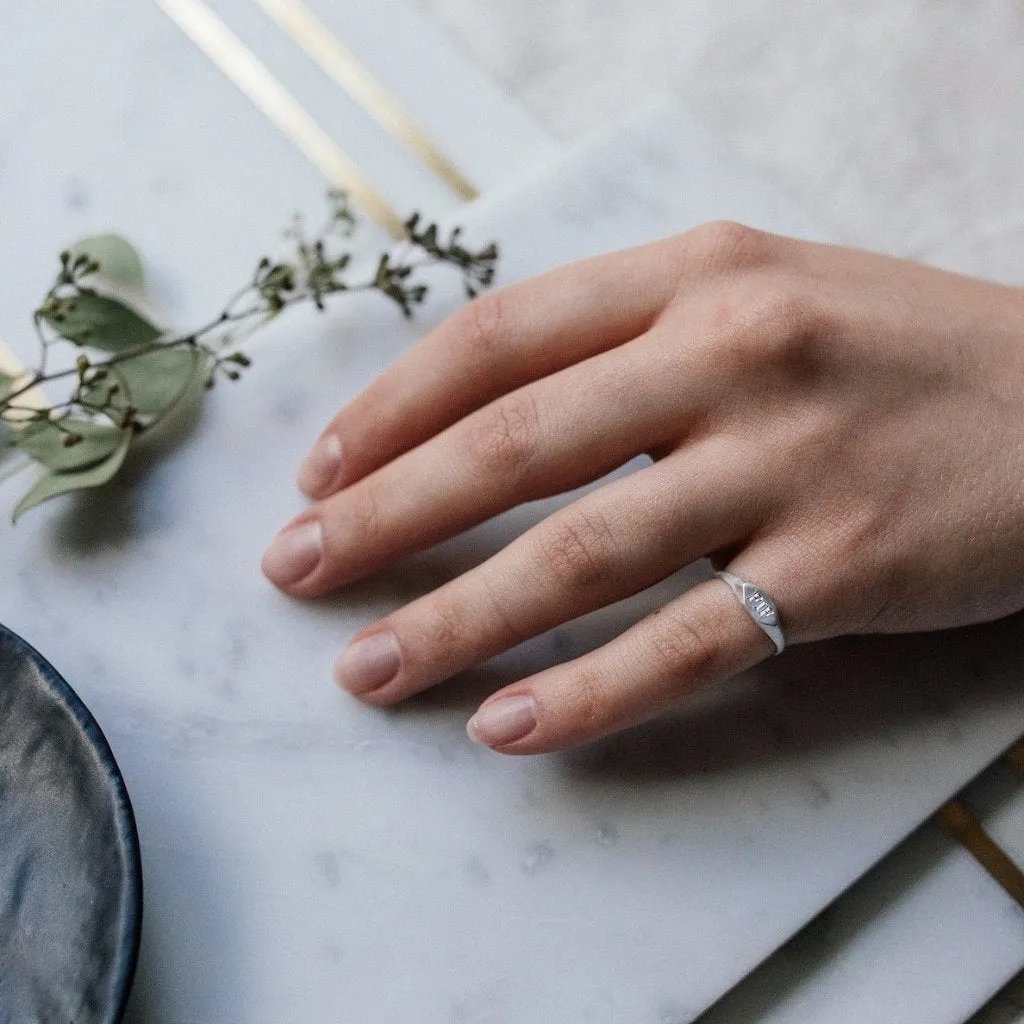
724,245
855,529
443,626
685,650
503,622
366,522
579,550
789,313
592,704
504,437
862,540
481,326
776,324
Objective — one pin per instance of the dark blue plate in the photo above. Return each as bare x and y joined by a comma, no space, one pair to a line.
70,873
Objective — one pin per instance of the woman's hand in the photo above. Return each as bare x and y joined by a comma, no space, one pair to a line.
843,429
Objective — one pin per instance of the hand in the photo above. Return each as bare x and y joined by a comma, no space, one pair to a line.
841,428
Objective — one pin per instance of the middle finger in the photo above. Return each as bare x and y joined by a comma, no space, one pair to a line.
551,436
606,546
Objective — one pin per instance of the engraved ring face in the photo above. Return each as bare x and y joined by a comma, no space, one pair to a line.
758,605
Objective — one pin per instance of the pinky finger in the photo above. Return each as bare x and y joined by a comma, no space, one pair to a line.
695,641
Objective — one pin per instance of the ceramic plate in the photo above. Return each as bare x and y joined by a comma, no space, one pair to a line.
70,874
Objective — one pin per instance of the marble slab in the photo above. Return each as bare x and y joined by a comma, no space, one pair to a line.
926,937
311,859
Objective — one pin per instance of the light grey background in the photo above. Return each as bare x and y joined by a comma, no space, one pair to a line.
897,122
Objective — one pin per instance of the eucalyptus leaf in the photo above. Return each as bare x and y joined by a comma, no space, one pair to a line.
43,440
159,379
119,261
99,321
54,484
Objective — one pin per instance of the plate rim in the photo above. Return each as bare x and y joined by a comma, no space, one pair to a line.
123,812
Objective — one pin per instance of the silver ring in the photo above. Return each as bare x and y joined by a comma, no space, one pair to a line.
758,605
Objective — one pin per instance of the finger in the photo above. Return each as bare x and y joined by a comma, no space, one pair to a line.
605,546
493,345
551,436
695,641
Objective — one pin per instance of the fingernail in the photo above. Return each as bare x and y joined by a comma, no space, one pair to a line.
503,721
294,554
319,469
369,663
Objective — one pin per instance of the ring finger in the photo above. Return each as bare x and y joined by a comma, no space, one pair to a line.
695,641
607,545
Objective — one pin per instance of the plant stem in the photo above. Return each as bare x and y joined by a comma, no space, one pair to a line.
185,340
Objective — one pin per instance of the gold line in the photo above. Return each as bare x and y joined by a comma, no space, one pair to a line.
269,96
295,18
963,826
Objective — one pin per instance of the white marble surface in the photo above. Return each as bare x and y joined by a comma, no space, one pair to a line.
308,858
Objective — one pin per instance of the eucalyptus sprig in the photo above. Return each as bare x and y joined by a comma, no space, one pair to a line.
130,374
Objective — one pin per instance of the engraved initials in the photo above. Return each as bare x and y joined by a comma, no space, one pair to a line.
760,606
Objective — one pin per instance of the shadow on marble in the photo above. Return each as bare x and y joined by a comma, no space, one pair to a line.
114,513
818,697
184,896
814,698
1002,787
825,953
1005,1008
820,944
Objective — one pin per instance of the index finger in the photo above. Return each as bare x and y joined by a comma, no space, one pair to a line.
493,345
